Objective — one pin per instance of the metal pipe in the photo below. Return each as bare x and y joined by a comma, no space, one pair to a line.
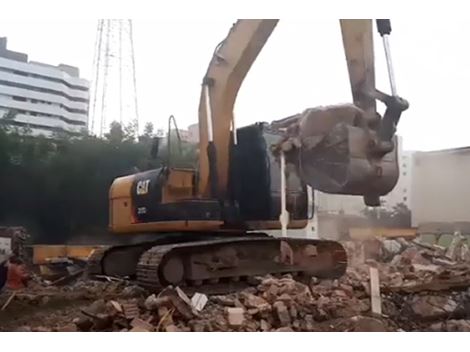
309,229
207,99
388,56
284,216
234,132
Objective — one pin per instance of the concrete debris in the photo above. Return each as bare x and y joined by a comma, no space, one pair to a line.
284,329
102,321
23,329
153,303
282,313
141,324
367,324
433,307
45,300
199,301
451,326
98,306
455,245
172,328
67,328
223,300
429,267
235,316
465,253
133,291
83,323
139,329
264,325
410,286
443,262
252,301
41,329
391,248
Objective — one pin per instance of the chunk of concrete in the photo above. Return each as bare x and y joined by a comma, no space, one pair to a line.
282,313
199,301
235,316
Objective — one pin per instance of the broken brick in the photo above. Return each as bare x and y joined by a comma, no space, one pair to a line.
141,324
139,329
235,316
252,301
130,310
67,328
172,328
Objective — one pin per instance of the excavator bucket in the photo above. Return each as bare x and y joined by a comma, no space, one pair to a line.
335,150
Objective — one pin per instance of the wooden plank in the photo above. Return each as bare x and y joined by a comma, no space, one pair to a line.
362,233
41,253
376,302
9,300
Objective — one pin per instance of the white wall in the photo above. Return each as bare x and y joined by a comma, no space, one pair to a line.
441,186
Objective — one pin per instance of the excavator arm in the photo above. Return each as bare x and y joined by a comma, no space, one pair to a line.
353,144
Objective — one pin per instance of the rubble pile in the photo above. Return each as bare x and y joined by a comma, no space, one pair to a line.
420,288
411,266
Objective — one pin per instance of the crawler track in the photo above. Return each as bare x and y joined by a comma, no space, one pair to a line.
218,262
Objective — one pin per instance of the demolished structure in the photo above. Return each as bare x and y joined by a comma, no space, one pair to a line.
390,285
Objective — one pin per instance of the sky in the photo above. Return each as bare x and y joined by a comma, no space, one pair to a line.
301,66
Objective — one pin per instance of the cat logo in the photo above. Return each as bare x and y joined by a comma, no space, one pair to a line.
142,187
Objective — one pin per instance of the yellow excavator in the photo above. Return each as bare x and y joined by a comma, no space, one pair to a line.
204,226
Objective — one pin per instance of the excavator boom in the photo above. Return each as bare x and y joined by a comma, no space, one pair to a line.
231,61
361,150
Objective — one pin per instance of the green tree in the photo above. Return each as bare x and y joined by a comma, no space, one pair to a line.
148,130
131,131
116,133
58,187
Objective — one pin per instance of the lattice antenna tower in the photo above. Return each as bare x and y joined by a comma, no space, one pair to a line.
114,90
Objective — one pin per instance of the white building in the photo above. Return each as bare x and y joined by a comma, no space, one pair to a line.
193,133
402,191
441,186
42,97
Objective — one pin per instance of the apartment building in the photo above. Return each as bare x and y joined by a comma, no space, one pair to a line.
41,97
